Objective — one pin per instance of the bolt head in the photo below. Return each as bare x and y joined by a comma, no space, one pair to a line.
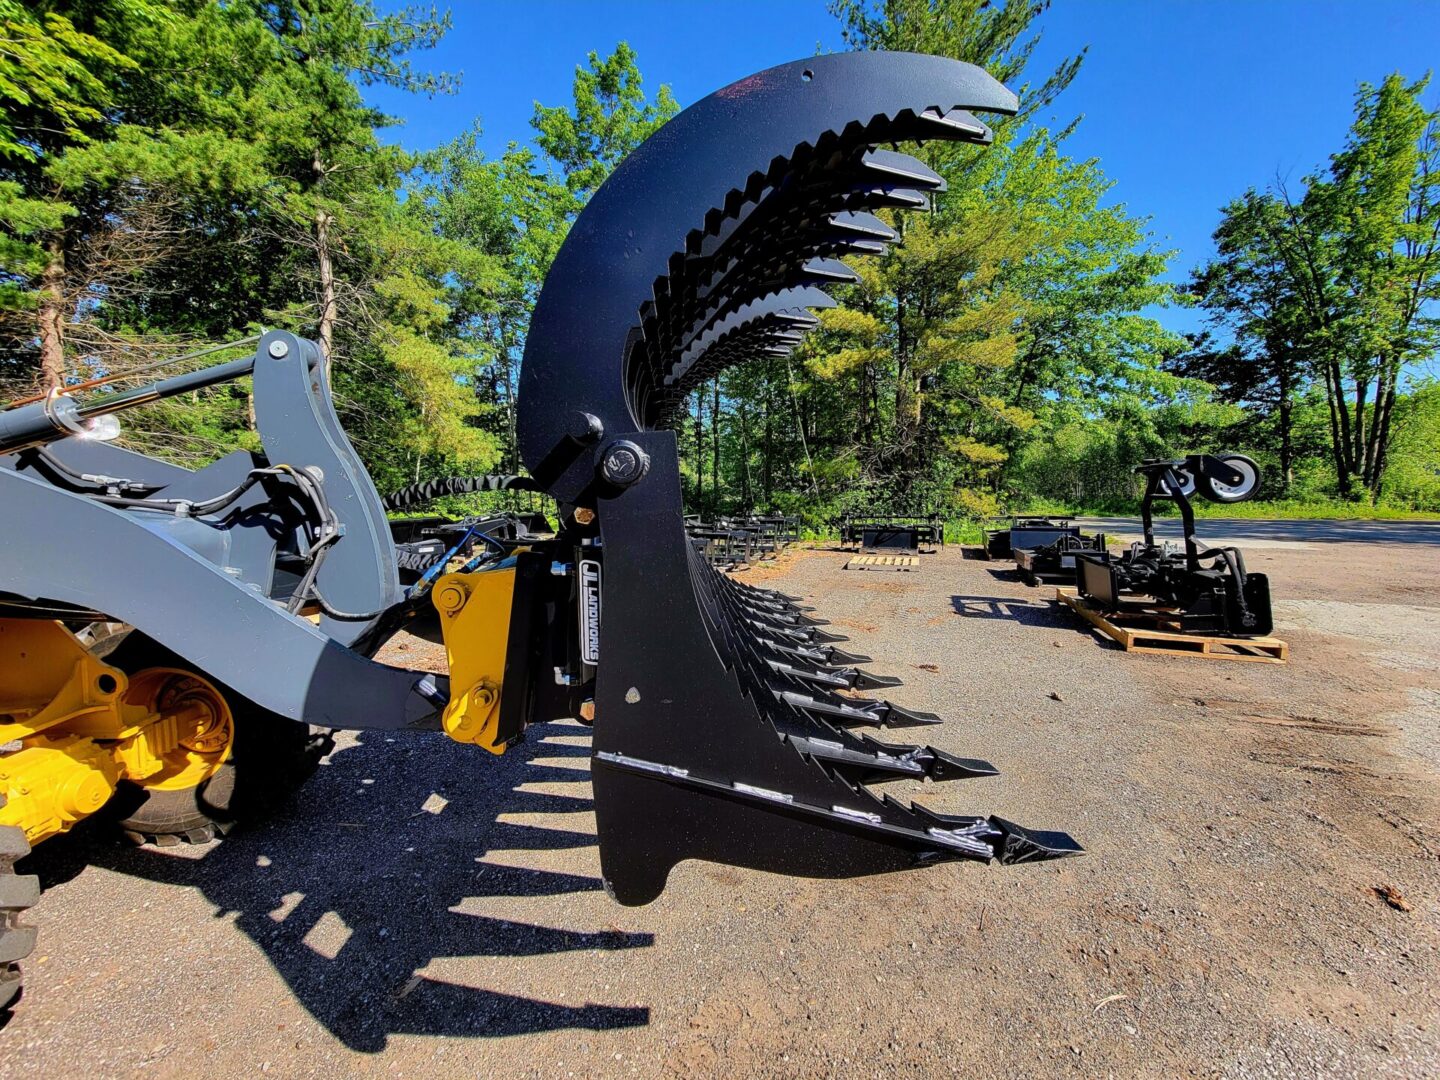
584,427
624,463
279,350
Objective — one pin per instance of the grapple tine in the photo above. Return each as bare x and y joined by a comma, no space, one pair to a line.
895,716
1019,844
843,711
830,271
720,730
839,656
807,634
957,122
774,594
865,225
877,762
868,680
904,169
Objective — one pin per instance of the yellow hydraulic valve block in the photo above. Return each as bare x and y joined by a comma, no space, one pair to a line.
475,619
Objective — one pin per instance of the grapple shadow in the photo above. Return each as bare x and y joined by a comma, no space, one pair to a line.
381,845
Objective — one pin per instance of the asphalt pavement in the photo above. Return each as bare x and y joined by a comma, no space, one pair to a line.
1297,531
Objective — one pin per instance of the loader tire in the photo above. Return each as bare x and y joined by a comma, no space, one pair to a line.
270,758
17,892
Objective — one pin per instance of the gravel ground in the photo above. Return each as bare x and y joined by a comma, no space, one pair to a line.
424,909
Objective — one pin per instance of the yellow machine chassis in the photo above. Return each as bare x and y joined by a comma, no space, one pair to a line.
72,727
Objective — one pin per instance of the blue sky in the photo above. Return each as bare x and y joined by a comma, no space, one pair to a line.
1184,102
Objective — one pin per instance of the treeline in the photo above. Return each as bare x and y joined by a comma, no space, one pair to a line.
174,175
179,174
1324,300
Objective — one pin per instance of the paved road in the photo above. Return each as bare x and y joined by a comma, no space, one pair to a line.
1301,531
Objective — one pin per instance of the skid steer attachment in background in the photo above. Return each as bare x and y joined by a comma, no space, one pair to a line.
721,731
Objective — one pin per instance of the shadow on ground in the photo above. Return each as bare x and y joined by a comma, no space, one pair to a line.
349,906
1037,612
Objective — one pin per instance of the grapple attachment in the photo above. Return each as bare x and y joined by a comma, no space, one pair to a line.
726,722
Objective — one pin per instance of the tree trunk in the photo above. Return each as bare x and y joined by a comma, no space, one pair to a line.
715,444
767,447
1339,426
902,397
52,314
327,286
862,410
1357,451
1380,426
1287,423
1287,446
745,494
699,449
323,221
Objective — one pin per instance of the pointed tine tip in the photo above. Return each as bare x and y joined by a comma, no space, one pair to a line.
959,123
948,767
1020,845
864,680
821,637
892,164
863,224
904,199
840,656
895,716
831,270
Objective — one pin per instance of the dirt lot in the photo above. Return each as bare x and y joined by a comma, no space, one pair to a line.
425,909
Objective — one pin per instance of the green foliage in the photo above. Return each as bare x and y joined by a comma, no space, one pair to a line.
175,174
1335,290
1011,310
1412,478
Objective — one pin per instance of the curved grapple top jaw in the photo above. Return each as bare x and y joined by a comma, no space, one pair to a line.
724,720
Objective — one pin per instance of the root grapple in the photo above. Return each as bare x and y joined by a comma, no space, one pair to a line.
725,727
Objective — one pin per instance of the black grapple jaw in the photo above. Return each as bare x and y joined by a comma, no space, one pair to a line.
727,725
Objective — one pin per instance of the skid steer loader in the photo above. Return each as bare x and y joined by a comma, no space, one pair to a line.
174,644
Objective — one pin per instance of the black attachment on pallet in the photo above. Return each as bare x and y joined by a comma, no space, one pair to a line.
1208,588
892,534
733,543
1005,536
1055,561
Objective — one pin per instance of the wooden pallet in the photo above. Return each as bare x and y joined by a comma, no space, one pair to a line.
884,562
1151,637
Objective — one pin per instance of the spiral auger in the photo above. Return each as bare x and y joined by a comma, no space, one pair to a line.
726,722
